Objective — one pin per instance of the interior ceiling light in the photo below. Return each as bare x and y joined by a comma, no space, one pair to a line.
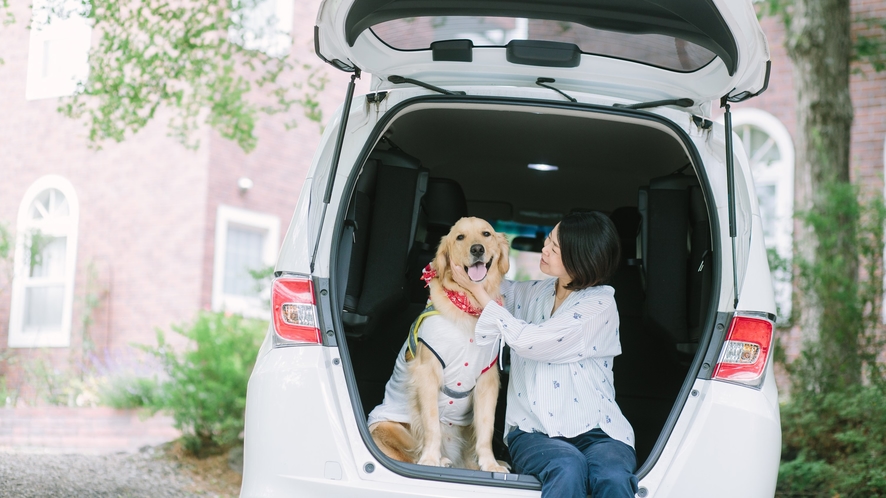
543,167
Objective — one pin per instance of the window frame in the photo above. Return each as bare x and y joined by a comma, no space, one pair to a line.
68,228
74,33
270,224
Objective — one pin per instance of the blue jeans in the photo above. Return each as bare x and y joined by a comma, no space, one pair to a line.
571,467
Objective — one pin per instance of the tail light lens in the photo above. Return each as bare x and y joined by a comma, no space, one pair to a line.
745,350
295,311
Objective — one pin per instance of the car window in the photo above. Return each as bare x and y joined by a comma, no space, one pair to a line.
417,33
526,241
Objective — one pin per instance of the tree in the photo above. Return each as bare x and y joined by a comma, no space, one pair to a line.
216,62
820,44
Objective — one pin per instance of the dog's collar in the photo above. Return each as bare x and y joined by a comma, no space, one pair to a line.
459,299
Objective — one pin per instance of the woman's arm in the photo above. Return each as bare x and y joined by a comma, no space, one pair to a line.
588,328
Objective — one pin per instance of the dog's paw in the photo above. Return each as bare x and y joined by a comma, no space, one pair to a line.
495,466
432,461
445,462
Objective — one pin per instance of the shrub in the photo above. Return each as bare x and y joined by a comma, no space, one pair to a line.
126,378
206,388
127,391
834,444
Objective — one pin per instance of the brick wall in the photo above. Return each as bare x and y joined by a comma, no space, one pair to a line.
142,211
147,205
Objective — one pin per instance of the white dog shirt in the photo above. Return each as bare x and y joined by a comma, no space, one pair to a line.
462,360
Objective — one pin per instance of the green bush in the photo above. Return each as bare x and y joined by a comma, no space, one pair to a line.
834,444
206,387
129,391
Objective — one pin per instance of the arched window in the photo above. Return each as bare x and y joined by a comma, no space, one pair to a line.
771,155
45,264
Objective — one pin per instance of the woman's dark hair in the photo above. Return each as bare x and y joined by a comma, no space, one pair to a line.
589,248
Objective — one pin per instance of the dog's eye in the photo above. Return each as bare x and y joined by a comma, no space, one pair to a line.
460,237
486,234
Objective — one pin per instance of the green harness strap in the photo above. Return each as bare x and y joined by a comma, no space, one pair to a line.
412,340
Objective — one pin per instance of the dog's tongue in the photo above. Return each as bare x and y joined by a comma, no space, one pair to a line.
477,272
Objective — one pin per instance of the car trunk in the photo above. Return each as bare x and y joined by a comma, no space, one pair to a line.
437,159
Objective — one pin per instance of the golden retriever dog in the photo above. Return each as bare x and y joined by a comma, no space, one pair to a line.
439,406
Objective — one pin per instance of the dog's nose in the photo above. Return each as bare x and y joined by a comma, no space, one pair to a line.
477,250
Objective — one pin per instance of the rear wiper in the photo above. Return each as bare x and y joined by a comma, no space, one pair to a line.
658,103
397,80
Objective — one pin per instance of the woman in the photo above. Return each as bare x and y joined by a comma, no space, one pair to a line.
562,423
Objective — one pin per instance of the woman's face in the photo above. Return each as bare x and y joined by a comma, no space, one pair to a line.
551,261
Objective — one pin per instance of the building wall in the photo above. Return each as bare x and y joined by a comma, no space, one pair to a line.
142,214
868,93
148,205
279,164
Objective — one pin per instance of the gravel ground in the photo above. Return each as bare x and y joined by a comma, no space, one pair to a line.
152,472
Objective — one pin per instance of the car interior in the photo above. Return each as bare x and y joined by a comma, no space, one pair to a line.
434,165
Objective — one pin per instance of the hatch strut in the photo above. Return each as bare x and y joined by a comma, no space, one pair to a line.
336,155
730,194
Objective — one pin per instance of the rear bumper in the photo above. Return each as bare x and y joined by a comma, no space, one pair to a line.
302,440
726,444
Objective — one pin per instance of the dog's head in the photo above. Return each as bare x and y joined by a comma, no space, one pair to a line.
473,244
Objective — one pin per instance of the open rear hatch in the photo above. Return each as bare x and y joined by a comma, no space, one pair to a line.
439,162
640,50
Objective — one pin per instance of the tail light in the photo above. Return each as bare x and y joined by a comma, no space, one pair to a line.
745,351
295,311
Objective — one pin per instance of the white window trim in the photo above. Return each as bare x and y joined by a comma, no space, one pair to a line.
226,215
74,36
780,174
62,336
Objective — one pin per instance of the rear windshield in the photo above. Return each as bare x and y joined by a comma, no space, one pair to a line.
417,33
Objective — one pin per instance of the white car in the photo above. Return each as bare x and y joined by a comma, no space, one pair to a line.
518,113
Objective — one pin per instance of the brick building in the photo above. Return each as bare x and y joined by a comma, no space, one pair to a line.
145,233
141,234
767,125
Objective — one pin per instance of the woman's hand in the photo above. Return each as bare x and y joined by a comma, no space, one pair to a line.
460,276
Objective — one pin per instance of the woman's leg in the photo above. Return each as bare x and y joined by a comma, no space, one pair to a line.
611,465
560,466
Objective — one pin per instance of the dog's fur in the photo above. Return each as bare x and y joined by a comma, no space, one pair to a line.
426,440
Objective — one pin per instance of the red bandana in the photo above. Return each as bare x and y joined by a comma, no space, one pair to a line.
459,299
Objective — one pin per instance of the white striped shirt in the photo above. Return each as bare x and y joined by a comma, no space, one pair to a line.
561,366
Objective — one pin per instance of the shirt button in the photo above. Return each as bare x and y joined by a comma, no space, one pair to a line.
458,384
450,401
470,340
466,363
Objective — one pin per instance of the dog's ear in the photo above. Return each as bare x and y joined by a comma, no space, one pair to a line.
504,260
441,260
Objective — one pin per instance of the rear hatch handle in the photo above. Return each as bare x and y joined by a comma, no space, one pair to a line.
543,82
657,103
399,80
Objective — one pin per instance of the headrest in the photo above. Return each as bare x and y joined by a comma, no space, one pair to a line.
444,202
627,221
